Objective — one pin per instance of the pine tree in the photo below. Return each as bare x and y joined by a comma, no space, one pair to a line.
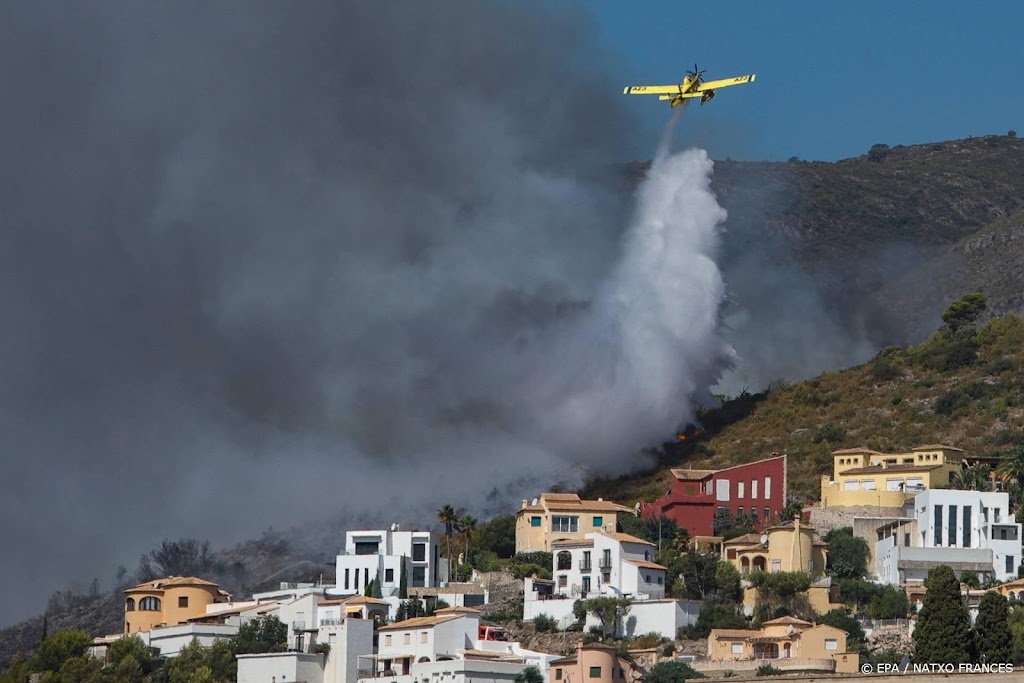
943,633
403,581
993,639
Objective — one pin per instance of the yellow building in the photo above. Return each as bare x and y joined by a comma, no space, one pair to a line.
1012,590
805,645
785,547
861,476
563,516
168,602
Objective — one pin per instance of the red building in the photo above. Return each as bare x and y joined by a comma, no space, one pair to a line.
757,489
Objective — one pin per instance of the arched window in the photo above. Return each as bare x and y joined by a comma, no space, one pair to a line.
564,560
149,604
129,605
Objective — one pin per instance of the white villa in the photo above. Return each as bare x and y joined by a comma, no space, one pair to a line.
965,530
380,556
606,563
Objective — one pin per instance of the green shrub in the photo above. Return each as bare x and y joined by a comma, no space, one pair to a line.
767,670
544,623
831,433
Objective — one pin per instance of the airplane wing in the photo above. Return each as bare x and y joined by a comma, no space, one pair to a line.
714,85
650,89
684,95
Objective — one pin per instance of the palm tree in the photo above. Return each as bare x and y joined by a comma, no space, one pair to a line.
468,525
976,477
1011,466
449,517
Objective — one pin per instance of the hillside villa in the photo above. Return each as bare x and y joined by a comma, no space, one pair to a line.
757,489
787,643
563,516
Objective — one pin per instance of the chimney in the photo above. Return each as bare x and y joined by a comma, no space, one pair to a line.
524,504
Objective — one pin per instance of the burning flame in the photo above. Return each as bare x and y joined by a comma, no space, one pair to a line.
683,436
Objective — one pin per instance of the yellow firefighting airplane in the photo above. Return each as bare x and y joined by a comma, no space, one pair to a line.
692,86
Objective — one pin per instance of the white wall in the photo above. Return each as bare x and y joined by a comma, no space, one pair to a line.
457,671
664,617
171,639
282,667
391,547
349,640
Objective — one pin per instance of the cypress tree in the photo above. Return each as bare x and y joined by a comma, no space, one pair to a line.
943,633
403,581
993,639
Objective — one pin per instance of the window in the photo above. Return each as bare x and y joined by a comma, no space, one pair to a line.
606,559
776,565
366,577
737,648
565,524
906,540
149,604
915,483
753,488
535,521
585,564
851,485
423,636
967,526
867,485
406,639
387,639
419,577
951,535
722,489
741,487
767,514
367,547
831,644
739,511
647,578
183,601
598,522
984,513
995,515
346,579
595,672
129,605
893,484
753,514
1011,566
563,581
767,487
563,561
937,524
1002,534
419,552
389,576
586,584
558,674
661,580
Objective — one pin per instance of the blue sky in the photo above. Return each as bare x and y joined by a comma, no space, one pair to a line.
833,78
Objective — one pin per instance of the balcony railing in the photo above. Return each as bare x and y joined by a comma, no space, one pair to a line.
585,565
604,563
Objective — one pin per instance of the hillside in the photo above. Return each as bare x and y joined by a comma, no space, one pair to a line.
889,237
938,392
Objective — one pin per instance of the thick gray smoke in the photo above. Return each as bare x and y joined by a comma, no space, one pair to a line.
265,262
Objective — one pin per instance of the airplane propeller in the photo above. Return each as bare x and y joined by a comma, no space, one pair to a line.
695,73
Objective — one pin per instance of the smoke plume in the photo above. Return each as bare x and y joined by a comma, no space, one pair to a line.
264,263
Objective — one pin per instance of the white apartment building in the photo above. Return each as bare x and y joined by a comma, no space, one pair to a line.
378,555
965,530
447,646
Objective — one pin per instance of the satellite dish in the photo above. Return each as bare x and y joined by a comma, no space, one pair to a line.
534,502
764,538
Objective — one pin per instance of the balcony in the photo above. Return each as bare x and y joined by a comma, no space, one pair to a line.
585,566
605,564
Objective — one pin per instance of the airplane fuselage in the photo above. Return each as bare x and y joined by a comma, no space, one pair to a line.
689,84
